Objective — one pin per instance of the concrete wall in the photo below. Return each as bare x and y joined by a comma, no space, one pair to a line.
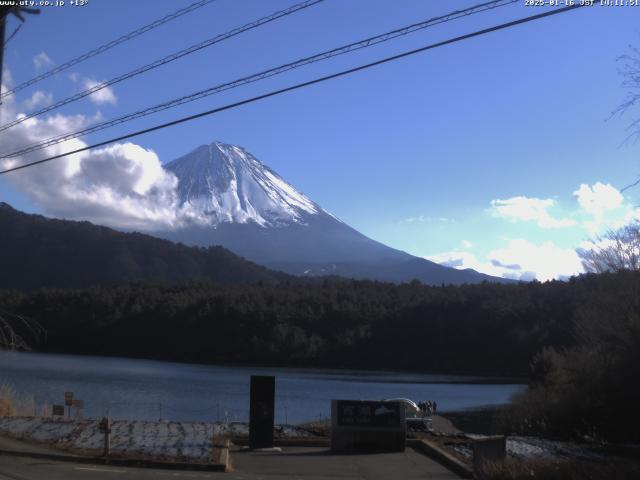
490,449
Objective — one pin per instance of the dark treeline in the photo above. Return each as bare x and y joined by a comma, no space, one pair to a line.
485,328
42,252
589,389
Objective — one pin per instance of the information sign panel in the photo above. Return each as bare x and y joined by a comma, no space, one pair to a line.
353,413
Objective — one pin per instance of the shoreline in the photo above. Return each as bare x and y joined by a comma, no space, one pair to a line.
466,376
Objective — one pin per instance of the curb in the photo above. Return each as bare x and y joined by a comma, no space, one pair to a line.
225,456
423,446
434,451
126,462
289,442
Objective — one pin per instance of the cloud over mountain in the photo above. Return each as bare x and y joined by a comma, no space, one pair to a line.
122,185
518,259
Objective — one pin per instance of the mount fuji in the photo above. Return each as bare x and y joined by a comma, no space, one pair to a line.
243,205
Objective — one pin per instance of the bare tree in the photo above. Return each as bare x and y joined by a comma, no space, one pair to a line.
629,70
615,251
11,324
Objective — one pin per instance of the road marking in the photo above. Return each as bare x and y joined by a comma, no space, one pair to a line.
181,474
112,470
7,476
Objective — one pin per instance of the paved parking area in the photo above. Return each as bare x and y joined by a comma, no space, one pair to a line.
292,463
320,463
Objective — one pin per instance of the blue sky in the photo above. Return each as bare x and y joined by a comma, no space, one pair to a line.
496,153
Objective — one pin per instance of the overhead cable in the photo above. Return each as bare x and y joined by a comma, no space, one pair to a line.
107,46
298,86
368,42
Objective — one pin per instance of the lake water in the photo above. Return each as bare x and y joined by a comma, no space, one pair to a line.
145,389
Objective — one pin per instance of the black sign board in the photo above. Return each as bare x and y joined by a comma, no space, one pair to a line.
262,403
356,413
105,425
68,398
58,410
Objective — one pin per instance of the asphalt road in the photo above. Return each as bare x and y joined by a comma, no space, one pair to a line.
292,463
20,468
320,464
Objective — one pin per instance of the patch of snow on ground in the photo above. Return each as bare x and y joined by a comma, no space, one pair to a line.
532,447
463,449
191,440
521,448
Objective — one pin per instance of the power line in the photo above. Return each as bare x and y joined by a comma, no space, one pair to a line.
301,85
13,34
107,46
17,11
163,61
264,74
634,184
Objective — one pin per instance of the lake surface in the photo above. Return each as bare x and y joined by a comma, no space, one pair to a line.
150,390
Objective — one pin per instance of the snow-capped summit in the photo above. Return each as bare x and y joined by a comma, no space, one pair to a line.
226,184
238,202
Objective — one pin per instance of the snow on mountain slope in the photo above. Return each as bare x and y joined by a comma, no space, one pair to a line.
226,184
238,202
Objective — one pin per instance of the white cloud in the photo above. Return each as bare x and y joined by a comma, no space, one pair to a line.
519,260
599,198
600,207
123,185
529,209
101,95
596,244
467,244
42,60
605,206
462,259
546,260
632,214
426,219
39,99
7,78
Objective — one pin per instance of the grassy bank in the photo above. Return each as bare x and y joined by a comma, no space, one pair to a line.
15,404
561,470
477,420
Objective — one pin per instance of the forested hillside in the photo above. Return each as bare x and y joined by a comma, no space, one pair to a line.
40,252
484,328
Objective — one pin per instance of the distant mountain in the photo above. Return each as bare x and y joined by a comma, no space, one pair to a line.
248,208
40,252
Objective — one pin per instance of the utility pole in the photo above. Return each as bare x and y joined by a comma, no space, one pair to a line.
3,21
105,427
4,12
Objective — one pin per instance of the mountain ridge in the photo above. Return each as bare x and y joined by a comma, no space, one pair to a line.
245,206
37,252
